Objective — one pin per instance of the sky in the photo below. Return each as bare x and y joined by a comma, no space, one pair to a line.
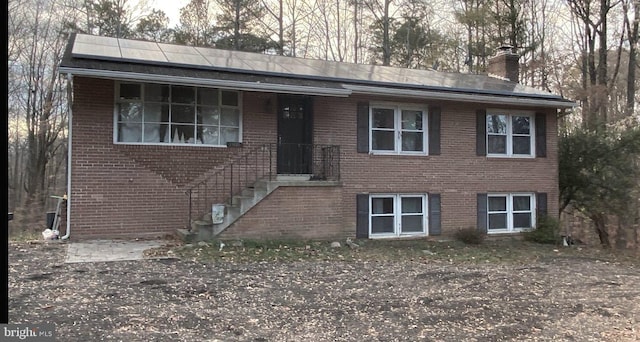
170,7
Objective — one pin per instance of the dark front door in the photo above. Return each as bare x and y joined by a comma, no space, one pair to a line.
295,148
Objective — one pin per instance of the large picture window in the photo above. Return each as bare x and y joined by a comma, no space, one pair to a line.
509,134
169,114
397,215
510,212
397,129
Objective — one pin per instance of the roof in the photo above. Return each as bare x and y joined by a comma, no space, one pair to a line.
159,62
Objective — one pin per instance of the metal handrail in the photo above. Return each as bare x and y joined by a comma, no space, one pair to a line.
322,162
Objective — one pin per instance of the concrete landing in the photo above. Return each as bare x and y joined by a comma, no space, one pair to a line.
109,250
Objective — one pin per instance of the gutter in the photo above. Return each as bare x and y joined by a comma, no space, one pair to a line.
460,97
191,81
70,121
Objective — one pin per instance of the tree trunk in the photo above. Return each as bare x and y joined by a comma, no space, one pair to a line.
386,46
632,33
356,44
236,27
281,30
599,222
602,95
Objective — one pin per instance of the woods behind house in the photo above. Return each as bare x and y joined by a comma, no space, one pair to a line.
584,50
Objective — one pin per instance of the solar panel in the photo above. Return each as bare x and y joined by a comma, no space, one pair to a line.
96,40
139,44
172,48
85,49
186,59
261,64
144,55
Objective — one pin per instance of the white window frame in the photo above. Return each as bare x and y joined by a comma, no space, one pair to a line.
397,112
142,101
397,216
509,134
510,212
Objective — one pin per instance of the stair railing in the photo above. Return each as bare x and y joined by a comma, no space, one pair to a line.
322,162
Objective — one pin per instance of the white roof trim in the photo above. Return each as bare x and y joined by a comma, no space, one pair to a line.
194,81
345,91
460,97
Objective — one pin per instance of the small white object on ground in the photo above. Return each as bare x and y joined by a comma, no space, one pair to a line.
352,244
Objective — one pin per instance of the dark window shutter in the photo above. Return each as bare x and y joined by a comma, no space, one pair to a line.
482,213
541,135
541,203
434,130
362,218
363,127
481,132
435,226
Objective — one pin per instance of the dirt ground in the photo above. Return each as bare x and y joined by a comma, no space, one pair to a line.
417,297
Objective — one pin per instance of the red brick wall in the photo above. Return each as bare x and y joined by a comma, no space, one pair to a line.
293,212
457,173
126,190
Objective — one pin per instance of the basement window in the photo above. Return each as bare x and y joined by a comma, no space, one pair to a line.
510,212
397,215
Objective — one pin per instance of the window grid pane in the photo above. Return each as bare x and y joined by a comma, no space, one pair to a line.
412,223
521,203
382,205
383,118
522,221
168,114
412,141
383,140
511,212
498,203
397,214
509,134
129,91
522,145
411,205
497,221
383,225
520,125
497,124
397,130
411,120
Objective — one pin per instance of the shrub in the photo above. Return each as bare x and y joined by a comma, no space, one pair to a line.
470,236
546,232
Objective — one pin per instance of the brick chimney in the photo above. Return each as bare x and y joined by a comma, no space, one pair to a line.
505,64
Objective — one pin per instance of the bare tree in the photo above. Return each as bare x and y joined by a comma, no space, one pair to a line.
631,24
37,97
594,37
383,16
196,24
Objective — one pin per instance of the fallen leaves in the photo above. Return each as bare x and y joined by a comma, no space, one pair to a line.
308,291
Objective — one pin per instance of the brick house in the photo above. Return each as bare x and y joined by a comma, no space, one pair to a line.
227,144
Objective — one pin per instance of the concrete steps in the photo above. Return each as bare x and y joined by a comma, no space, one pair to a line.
203,228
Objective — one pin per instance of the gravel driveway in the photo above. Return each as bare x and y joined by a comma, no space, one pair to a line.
569,298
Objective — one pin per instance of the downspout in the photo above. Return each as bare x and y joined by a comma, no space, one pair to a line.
69,122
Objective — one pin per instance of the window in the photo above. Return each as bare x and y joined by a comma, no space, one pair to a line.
170,114
396,215
510,212
509,134
398,129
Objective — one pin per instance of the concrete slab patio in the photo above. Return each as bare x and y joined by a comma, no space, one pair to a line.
109,250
